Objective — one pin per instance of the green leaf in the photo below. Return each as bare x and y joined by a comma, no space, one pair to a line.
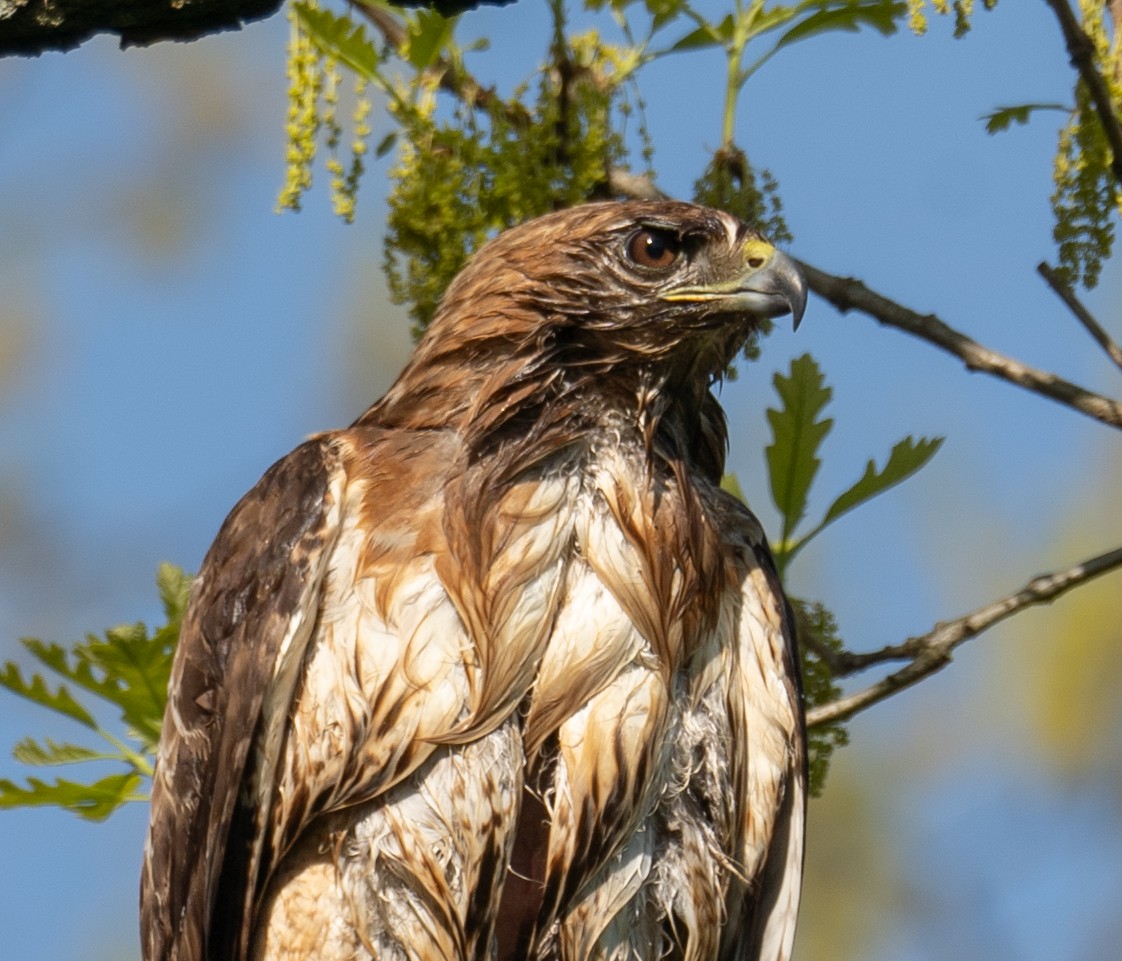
174,585
851,16
906,458
129,668
797,434
338,37
60,700
774,17
707,35
134,670
386,144
429,34
662,11
1003,117
30,751
95,802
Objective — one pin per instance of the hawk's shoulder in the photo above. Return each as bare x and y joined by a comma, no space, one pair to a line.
252,602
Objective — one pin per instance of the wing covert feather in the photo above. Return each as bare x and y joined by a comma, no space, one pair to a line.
769,910
252,608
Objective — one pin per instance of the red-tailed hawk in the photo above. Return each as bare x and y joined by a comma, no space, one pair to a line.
499,673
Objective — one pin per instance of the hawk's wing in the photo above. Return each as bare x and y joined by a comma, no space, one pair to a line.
252,610
762,925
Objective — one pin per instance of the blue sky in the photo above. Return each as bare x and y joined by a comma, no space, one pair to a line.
167,336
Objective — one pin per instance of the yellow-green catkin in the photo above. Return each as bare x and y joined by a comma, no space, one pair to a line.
329,118
917,19
305,82
362,130
1107,48
314,93
344,181
963,10
1086,201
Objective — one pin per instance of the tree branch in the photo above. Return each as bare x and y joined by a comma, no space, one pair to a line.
1082,314
31,27
931,652
1082,54
849,294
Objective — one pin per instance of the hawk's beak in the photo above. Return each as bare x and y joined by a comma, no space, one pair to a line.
770,285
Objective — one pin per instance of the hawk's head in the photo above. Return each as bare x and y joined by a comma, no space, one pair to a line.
654,297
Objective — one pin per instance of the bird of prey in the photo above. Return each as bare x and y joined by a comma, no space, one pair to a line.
499,672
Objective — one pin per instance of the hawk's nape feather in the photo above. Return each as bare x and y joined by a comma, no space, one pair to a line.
499,672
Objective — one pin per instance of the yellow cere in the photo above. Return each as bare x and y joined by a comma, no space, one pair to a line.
758,253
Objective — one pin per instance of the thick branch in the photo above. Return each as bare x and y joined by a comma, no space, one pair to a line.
1082,53
32,27
849,294
932,652
1082,314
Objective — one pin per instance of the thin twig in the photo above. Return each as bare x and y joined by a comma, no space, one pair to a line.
848,294
843,663
932,652
1082,53
1082,314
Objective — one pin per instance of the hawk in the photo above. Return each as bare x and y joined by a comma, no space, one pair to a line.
499,672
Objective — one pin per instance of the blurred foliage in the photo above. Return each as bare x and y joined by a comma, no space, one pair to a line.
128,668
20,320
1002,118
1073,678
852,893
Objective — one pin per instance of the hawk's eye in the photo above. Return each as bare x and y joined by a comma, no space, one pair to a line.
654,249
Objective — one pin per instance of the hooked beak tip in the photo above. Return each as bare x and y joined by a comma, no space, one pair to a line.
791,284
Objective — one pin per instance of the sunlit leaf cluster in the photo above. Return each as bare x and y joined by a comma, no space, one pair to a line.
457,182
1086,200
127,668
962,10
